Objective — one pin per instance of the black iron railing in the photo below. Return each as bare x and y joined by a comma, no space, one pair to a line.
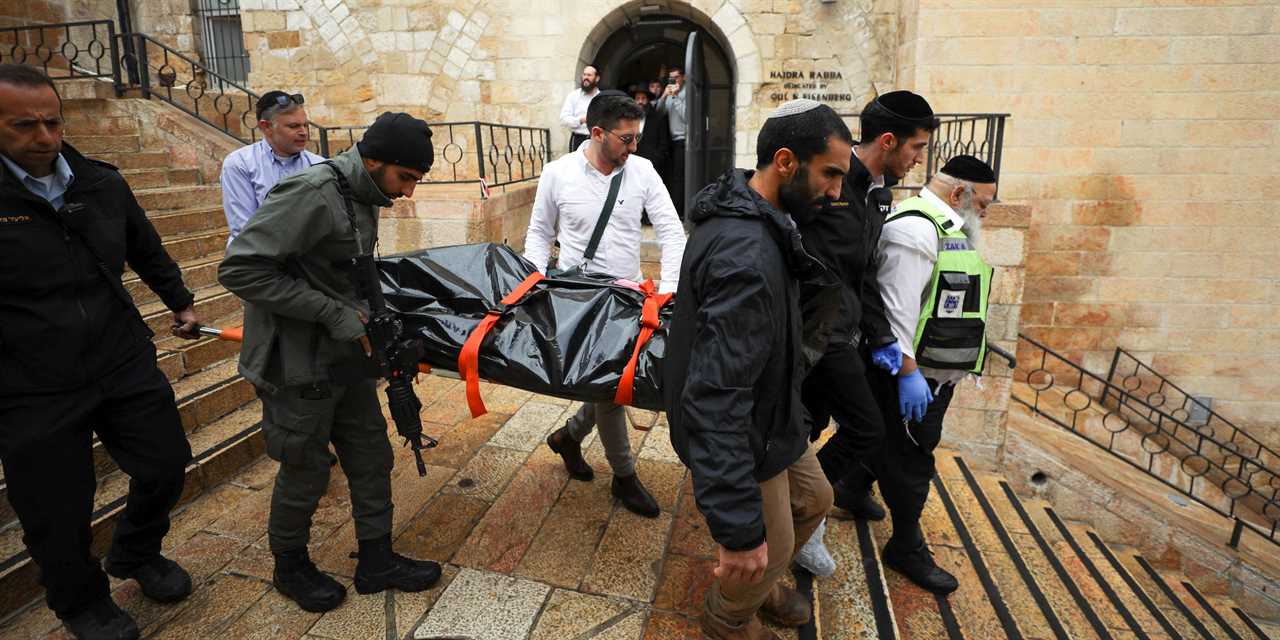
977,134
1141,381
468,152
85,49
1198,465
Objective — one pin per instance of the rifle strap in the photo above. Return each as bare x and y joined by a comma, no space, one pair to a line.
344,190
469,357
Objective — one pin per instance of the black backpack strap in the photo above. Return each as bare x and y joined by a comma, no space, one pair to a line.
344,189
614,186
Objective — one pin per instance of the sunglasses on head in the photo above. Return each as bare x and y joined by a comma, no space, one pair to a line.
282,101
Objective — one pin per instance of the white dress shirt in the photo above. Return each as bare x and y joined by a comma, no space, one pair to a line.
907,252
570,196
575,109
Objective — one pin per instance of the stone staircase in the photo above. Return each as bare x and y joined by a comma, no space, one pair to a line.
1025,572
218,407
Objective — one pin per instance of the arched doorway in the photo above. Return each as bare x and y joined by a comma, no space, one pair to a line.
645,47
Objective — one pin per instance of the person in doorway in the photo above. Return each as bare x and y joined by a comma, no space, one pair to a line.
77,360
249,172
304,324
736,357
934,283
655,138
573,115
896,128
604,183
673,104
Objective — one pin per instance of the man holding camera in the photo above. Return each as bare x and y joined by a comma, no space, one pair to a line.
304,336
672,103
76,359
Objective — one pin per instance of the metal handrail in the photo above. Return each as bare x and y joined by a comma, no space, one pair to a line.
977,134
1161,397
1166,444
55,50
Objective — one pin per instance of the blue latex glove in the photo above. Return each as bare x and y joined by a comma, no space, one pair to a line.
888,357
914,395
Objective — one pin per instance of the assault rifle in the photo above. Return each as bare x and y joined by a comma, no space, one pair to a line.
395,357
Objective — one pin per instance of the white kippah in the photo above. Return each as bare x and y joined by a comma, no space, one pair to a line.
793,107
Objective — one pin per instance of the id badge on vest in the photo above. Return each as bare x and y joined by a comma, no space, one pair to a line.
951,304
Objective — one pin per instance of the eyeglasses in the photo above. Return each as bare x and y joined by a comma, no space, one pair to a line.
626,140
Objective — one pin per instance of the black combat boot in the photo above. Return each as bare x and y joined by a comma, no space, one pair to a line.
380,569
914,560
634,496
298,579
571,451
102,620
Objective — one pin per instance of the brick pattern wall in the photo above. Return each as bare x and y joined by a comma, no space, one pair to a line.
1145,132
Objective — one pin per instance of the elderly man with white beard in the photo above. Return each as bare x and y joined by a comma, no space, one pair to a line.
935,287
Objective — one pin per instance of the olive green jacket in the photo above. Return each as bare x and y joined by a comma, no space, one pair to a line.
302,315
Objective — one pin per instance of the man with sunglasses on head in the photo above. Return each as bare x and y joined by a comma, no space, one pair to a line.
250,172
604,183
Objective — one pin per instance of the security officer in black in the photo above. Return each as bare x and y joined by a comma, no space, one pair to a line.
895,130
76,359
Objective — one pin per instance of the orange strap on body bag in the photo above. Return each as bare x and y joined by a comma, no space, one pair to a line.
469,357
649,322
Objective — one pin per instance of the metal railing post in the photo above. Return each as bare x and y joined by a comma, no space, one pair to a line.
479,152
116,83
126,29
1236,530
324,142
1111,373
144,69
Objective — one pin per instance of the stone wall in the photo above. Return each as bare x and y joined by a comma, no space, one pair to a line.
513,62
25,12
1145,133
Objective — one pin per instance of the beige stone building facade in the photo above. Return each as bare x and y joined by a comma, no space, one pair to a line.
1143,133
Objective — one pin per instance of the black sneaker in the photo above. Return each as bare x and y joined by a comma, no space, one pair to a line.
298,579
917,565
859,505
102,620
380,568
160,578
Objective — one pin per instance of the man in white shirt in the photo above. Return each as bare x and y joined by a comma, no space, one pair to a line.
570,199
573,115
249,172
914,402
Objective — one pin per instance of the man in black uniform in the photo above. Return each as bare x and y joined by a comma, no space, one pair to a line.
76,359
895,131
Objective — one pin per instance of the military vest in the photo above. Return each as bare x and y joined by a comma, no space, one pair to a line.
951,333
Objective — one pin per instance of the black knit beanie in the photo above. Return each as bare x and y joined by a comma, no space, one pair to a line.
399,139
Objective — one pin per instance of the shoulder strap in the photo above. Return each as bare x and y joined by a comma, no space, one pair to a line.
614,186
344,189
945,225
64,216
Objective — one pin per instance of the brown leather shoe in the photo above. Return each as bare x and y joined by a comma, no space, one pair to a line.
714,628
571,451
786,606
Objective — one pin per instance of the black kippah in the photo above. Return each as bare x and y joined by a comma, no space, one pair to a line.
969,169
905,105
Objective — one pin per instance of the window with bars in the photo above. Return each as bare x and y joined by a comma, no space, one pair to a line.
222,38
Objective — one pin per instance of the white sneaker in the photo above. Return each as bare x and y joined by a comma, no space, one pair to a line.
814,556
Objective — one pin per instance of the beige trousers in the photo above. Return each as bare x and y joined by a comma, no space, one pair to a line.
795,502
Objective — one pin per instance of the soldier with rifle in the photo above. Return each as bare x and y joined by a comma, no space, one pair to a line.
316,335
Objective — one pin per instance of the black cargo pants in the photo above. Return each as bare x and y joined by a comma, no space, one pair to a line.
299,423
837,388
46,447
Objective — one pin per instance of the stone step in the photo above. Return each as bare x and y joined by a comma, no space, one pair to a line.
93,145
187,221
186,247
139,160
79,124
154,178
177,198
854,602
1172,598
197,273
220,450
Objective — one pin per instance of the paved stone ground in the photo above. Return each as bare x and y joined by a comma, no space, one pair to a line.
528,553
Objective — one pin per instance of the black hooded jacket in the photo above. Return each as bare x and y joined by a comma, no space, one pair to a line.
736,354
62,324
844,236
